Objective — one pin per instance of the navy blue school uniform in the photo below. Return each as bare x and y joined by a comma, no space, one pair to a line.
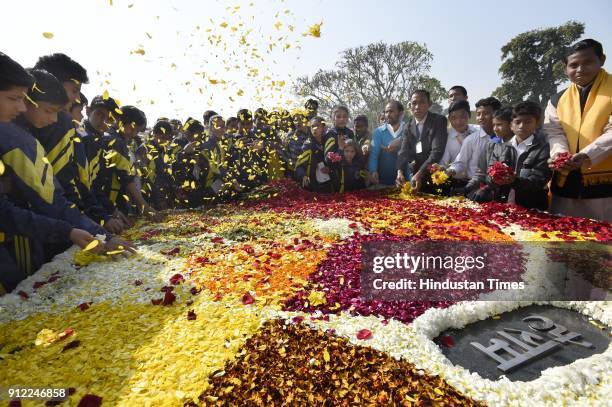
295,142
158,183
32,186
64,152
192,173
348,177
94,150
116,172
57,140
330,140
307,164
21,234
250,167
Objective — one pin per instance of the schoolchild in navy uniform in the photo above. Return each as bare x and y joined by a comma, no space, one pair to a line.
34,213
311,171
349,174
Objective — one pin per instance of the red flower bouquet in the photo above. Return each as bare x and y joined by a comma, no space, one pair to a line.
499,172
334,157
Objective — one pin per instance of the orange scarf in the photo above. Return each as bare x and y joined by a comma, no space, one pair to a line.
581,129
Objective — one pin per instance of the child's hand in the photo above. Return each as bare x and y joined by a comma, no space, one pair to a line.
305,181
114,225
117,244
365,149
81,237
152,214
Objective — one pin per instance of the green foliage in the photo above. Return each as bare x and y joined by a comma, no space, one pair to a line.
367,77
532,66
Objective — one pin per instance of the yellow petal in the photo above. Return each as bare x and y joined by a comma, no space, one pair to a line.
92,245
326,355
47,35
314,30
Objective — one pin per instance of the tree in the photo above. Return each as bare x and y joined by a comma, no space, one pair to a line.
367,77
532,65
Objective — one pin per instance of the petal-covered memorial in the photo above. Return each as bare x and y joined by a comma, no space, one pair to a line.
260,302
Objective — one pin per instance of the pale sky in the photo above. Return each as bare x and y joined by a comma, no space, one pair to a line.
179,60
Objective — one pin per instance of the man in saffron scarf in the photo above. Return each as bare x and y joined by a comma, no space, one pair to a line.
579,127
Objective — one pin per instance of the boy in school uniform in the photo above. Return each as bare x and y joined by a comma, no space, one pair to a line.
527,153
250,167
295,141
62,139
158,182
115,185
190,167
76,110
33,211
476,188
363,137
311,170
465,165
336,136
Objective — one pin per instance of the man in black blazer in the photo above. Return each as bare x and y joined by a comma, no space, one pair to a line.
423,142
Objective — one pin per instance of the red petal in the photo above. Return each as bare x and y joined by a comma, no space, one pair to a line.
194,291
90,400
297,319
157,301
447,341
174,251
191,315
217,239
38,284
247,299
137,282
23,294
53,278
67,332
177,279
84,305
169,298
364,334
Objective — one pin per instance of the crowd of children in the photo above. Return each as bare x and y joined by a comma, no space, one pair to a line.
73,178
